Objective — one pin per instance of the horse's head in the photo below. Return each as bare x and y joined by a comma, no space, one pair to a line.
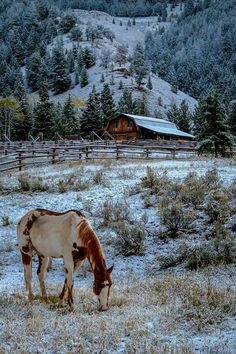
101,287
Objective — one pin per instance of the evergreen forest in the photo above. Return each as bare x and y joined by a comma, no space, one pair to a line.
196,54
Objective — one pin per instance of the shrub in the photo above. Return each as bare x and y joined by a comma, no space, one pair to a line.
174,216
217,205
24,181
114,212
81,184
211,179
201,256
157,183
130,239
37,184
31,183
99,177
61,186
220,250
6,220
193,190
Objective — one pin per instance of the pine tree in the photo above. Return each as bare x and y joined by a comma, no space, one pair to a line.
84,78
112,80
67,23
89,58
57,126
184,117
108,109
102,78
27,124
69,118
76,34
149,83
139,66
211,129
173,114
140,107
91,117
44,114
33,65
77,76
232,117
125,104
59,73
120,87
188,8
71,61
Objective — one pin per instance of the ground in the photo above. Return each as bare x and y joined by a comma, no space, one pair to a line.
151,310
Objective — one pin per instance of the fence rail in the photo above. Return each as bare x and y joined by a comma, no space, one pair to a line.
19,156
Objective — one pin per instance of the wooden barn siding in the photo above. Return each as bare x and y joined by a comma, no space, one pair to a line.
123,131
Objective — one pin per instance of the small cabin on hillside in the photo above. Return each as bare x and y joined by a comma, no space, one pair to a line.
129,126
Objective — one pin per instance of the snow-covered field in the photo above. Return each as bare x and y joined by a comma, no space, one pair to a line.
151,310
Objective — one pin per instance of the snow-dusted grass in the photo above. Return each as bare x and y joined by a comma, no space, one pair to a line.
152,310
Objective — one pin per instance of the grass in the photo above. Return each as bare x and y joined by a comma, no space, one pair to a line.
140,312
160,314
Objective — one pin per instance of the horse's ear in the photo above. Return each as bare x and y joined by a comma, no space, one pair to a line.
109,270
82,252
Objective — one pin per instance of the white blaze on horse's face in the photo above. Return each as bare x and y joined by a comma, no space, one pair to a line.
102,285
103,297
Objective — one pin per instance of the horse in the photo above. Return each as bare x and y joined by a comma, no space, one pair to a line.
66,235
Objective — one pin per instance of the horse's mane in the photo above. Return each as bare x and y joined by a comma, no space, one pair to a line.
90,240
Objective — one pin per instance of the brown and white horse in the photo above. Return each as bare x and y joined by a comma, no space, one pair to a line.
69,235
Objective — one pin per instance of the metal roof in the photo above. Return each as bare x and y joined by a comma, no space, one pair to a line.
158,125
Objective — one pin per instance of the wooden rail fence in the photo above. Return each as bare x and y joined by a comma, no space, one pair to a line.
20,157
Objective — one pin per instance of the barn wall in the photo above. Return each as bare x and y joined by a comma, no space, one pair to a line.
122,128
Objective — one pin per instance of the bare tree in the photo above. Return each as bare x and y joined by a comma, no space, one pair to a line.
121,54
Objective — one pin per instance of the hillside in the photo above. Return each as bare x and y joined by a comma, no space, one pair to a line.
129,36
29,29
198,54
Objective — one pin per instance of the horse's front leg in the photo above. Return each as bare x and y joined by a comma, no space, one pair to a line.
69,282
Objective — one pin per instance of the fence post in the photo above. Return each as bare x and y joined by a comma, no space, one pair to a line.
86,153
174,152
53,155
147,152
117,152
20,161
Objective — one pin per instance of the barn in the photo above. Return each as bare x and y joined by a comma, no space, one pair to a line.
129,126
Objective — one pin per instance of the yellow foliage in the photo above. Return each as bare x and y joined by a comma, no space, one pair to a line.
78,101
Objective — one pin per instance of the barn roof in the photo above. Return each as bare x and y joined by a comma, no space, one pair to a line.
158,125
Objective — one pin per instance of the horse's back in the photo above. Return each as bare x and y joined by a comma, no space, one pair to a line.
50,233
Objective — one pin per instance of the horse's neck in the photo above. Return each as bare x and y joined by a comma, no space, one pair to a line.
95,253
